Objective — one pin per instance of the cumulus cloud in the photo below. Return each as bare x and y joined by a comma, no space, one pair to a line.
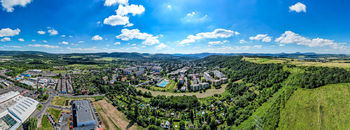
160,46
262,37
21,39
298,7
5,39
52,32
127,35
115,20
194,17
97,38
41,32
130,9
81,42
9,4
289,37
217,33
117,43
217,42
44,46
8,32
114,2
121,17
242,41
44,41
64,43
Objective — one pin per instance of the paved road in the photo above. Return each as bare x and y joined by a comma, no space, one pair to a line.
68,95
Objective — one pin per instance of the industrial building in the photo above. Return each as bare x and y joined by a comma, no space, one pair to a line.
15,109
84,117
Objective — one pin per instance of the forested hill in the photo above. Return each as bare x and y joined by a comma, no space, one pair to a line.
268,84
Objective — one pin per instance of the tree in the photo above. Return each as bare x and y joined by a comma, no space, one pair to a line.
182,125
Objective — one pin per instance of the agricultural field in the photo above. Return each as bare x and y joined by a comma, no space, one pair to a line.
298,62
326,107
111,117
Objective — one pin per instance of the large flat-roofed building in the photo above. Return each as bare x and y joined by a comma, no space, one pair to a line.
15,109
83,115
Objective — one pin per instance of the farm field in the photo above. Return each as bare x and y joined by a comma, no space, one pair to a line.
326,107
298,62
111,117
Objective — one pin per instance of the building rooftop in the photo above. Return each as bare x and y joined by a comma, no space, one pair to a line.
83,113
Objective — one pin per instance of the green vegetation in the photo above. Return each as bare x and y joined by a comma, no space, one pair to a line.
55,113
31,124
45,124
325,107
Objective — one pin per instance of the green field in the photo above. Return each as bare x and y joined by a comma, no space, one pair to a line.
326,107
45,124
55,113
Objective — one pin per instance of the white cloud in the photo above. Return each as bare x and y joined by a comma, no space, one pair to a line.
9,4
8,32
121,17
130,9
217,42
242,41
117,43
5,39
114,2
169,7
21,39
133,44
115,20
194,17
217,33
52,31
160,46
63,35
127,35
298,7
64,43
45,46
41,32
262,37
257,46
289,37
97,38
81,41
44,41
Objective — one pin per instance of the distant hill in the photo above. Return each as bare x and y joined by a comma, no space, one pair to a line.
135,55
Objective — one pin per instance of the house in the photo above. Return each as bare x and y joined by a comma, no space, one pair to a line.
207,76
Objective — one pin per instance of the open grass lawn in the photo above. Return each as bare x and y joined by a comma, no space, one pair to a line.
326,107
45,124
55,113
64,101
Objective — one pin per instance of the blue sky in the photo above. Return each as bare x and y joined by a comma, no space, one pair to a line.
176,26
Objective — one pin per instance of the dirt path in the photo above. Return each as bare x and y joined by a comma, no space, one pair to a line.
208,93
112,116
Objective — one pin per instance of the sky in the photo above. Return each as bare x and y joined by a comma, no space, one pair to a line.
176,26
